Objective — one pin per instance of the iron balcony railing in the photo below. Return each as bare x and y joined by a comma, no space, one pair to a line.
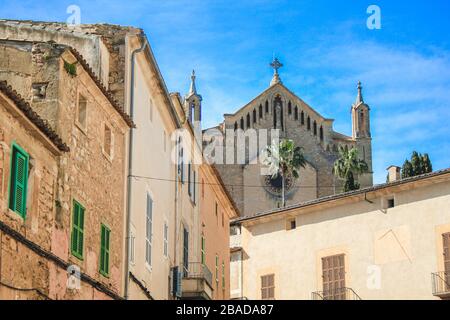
336,294
441,283
197,270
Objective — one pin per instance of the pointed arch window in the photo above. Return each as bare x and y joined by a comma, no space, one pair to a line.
302,118
267,106
260,111
235,126
296,113
308,123
254,116
289,108
315,128
248,120
321,133
242,123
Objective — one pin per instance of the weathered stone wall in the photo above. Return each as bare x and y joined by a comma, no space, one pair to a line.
20,267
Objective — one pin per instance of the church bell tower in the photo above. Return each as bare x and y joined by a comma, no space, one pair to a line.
193,103
361,134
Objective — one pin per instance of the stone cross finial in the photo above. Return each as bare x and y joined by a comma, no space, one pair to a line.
192,89
276,64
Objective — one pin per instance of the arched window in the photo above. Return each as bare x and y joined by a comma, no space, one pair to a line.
289,108
267,106
321,133
315,128
254,115
242,123
302,118
260,111
235,126
308,123
248,120
296,113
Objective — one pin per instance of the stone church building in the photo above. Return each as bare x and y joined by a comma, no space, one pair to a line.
279,108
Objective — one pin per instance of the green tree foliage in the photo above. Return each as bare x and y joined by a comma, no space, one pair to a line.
347,166
284,159
419,164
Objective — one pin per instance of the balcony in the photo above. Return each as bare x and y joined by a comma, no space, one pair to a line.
336,294
441,284
197,283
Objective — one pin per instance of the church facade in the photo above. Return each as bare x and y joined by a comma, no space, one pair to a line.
280,109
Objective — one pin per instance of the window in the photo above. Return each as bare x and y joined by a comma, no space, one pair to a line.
254,116
267,106
289,108
105,234
166,239
390,203
268,287
82,111
446,247
248,120
194,186
107,141
235,126
203,250
19,181
260,111
315,128
321,133
148,232
302,118
308,123
189,180
217,268
242,123
296,113
185,252
217,212
223,274
333,275
291,224
132,247
77,230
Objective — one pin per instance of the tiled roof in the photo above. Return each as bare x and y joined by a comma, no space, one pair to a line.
28,111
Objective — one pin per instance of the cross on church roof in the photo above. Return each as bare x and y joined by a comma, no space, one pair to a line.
276,64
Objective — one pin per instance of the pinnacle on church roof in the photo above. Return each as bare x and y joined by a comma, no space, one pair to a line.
192,89
359,98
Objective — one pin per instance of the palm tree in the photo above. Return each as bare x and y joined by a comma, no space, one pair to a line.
347,166
284,159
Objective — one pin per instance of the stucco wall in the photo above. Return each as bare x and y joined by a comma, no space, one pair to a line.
401,242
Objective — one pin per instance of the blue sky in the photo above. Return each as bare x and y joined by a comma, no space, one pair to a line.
325,47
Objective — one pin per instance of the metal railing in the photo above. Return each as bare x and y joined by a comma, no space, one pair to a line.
197,270
336,294
441,283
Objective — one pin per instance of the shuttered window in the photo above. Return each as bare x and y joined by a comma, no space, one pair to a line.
446,239
268,287
148,231
185,252
19,181
77,230
105,234
223,274
333,274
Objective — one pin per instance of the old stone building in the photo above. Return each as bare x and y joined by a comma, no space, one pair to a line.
277,108
84,221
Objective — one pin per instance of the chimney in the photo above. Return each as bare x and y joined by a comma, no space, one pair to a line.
393,173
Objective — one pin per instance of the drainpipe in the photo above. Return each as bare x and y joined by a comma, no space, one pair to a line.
130,168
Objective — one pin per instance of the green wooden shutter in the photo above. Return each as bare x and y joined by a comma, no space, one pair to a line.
19,181
77,230
104,250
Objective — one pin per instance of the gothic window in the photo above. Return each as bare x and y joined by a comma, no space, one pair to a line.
248,120
321,133
254,115
289,108
308,123
302,118
267,106
260,111
296,113
235,126
242,123
315,128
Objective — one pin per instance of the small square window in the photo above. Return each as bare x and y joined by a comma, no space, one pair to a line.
391,203
291,224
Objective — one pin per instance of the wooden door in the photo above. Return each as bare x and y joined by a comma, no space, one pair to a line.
333,275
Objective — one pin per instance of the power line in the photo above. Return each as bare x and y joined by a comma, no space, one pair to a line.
219,184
